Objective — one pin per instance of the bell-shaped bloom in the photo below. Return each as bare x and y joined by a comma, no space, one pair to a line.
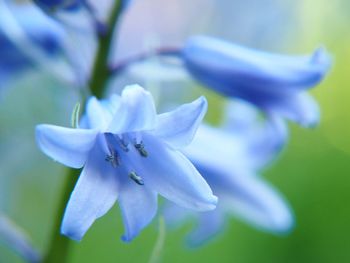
128,153
27,38
230,162
274,83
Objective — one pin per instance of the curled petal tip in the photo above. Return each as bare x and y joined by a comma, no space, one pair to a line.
71,233
321,56
284,223
126,239
209,205
213,203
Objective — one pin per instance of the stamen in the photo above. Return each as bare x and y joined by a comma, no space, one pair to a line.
113,158
137,179
123,145
140,147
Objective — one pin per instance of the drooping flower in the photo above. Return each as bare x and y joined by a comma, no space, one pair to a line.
128,153
274,83
230,160
27,39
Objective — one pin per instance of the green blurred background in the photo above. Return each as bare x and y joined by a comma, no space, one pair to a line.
312,172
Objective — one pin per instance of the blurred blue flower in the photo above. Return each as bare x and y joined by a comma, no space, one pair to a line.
14,238
126,3
274,83
130,153
27,38
73,5
51,5
230,159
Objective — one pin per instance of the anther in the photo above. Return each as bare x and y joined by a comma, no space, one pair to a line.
140,147
113,158
137,179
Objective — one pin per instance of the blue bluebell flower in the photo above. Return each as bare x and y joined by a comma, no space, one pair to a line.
51,5
274,83
230,161
128,153
27,38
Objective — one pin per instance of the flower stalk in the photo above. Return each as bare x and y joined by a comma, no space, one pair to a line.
58,250
100,73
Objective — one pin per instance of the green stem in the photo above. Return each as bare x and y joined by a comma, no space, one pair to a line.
156,255
59,246
101,71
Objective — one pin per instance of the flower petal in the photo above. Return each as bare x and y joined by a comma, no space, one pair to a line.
231,68
94,194
267,80
266,142
255,201
175,215
178,127
136,111
218,148
65,145
264,138
138,206
49,6
300,108
97,116
209,225
100,113
226,166
172,175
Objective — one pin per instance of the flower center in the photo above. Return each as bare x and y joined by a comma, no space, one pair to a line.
119,145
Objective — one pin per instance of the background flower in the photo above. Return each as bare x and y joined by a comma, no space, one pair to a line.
231,159
275,83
